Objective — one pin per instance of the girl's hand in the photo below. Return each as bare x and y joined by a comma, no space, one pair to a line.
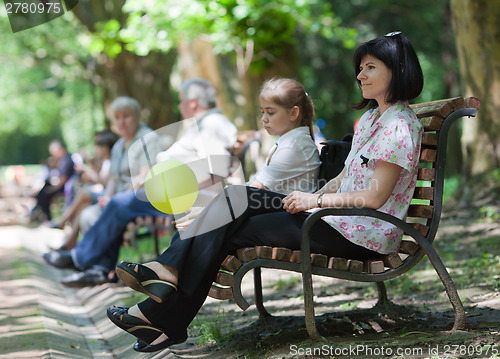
183,223
299,201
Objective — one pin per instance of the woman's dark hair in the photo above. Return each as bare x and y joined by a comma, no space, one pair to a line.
396,52
105,138
289,93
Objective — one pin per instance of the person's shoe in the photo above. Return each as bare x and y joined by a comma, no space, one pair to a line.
143,347
59,259
145,281
88,278
139,328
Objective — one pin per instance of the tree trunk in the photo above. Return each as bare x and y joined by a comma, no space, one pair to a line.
145,78
477,36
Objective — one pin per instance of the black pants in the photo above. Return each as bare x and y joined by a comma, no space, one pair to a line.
44,198
198,258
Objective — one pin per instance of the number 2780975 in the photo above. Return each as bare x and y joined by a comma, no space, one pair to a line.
33,8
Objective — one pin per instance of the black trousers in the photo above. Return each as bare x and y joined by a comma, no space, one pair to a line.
198,258
44,198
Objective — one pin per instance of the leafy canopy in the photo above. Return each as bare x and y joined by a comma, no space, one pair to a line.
257,29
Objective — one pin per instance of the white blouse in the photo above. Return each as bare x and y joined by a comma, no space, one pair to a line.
293,166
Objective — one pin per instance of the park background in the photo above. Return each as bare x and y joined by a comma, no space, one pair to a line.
57,80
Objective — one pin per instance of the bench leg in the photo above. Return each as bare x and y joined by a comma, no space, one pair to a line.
156,239
309,302
382,294
257,279
451,290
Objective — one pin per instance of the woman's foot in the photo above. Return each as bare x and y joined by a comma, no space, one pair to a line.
136,312
153,279
133,321
164,272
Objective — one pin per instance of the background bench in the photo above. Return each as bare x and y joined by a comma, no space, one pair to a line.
420,228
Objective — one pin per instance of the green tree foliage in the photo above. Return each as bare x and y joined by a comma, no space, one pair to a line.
46,94
326,65
251,28
48,66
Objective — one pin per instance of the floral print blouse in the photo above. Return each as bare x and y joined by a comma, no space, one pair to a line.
394,137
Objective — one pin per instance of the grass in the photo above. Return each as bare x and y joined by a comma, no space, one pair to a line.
214,330
145,249
481,270
287,283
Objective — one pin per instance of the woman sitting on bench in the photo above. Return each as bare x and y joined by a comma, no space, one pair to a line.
380,172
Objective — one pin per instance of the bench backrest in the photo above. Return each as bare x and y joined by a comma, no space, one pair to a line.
436,117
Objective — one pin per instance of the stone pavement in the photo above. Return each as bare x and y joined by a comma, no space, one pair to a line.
40,318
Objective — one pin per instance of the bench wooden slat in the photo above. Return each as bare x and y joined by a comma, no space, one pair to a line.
373,266
430,139
408,247
428,156
231,264
224,278
319,260
220,293
337,263
295,257
472,102
264,252
426,174
424,193
282,254
441,108
392,260
246,254
433,123
420,210
354,266
422,228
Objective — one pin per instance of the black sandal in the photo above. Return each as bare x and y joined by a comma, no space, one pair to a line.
133,325
143,347
145,281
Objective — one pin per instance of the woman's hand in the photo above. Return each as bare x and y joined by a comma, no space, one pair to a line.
183,223
299,201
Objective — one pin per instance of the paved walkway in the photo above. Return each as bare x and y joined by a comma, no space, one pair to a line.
40,318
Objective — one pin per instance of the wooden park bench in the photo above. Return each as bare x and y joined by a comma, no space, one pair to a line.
420,230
